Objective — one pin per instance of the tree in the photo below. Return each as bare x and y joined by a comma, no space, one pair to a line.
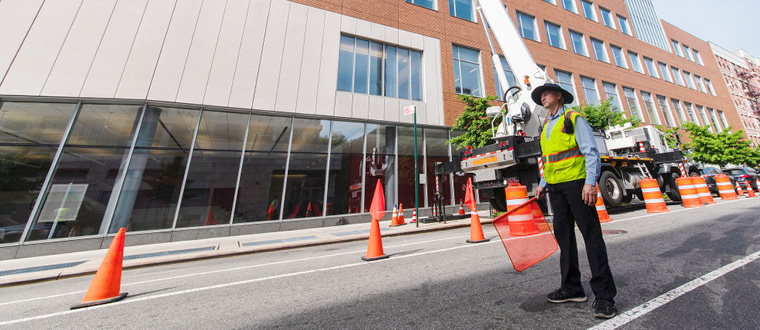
602,116
474,122
722,148
670,135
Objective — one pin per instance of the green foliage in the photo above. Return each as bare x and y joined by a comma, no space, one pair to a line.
474,122
602,116
722,148
670,135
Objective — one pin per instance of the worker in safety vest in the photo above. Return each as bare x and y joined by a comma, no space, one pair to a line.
571,167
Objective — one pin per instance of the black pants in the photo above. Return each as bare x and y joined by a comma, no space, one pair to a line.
567,203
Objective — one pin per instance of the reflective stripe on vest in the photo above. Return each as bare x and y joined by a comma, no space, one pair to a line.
563,160
575,152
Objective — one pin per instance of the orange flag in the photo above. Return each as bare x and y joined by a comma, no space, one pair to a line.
469,197
378,202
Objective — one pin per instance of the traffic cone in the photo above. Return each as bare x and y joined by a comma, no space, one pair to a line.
739,190
750,191
377,209
601,210
414,215
520,221
107,282
653,196
401,219
461,207
476,229
210,219
394,218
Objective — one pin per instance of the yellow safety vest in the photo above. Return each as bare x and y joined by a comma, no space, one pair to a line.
563,160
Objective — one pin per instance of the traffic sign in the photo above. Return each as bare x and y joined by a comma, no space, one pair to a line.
408,110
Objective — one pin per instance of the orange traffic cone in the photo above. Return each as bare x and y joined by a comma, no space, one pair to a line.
394,218
653,196
377,209
210,219
414,215
601,210
739,190
461,207
750,191
401,219
476,229
520,221
107,282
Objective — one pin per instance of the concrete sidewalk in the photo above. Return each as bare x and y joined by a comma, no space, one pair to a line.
52,267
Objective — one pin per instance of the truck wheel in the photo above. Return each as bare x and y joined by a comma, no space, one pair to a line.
499,202
674,194
611,189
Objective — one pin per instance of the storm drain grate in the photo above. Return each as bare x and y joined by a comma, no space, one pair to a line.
355,232
282,240
168,253
40,268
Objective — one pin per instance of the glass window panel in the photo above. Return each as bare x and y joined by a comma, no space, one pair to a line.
554,35
381,139
376,69
676,47
701,86
705,120
663,103
709,86
651,68
470,79
510,78
444,185
221,131
697,57
723,119
416,79
599,51
610,93
467,71
29,137
565,80
406,181
390,71
461,9
617,55
569,5
269,133
305,186
677,109
403,73
690,111
579,44
153,180
311,135
687,52
623,25
527,26
260,191
632,102
346,64
380,162
406,141
649,106
665,72
677,75
423,3
635,63
588,10
344,186
714,120
589,90
607,18
361,70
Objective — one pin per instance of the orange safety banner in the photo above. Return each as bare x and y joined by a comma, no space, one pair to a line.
526,251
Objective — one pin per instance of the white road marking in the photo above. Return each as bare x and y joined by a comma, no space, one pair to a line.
669,296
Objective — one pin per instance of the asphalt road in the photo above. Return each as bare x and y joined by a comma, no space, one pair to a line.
686,269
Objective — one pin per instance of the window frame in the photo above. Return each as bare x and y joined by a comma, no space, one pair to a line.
654,107
677,76
561,84
622,57
560,35
520,26
639,114
434,3
689,80
594,89
697,57
574,8
616,96
607,18
687,52
583,42
604,51
651,68
452,5
593,12
709,86
480,71
623,22
676,47
635,65
666,75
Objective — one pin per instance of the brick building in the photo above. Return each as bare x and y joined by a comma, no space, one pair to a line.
740,72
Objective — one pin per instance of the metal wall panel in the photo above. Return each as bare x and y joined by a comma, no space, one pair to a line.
226,55
111,57
141,64
271,58
431,74
37,55
247,68
328,69
78,52
312,55
16,17
293,52
174,53
198,67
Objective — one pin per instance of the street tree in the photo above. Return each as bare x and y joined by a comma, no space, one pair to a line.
474,122
601,116
722,148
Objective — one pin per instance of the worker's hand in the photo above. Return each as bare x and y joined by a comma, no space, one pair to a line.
540,192
589,194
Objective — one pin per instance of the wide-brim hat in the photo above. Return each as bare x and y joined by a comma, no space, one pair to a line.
536,94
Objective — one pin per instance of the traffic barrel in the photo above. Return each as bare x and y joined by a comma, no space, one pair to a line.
653,196
601,210
520,221
704,193
689,195
725,189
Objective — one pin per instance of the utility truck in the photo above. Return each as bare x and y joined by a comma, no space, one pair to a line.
628,154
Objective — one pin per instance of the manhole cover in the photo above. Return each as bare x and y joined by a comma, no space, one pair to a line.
614,231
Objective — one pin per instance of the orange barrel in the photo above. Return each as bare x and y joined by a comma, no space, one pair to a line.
704,193
653,196
600,209
520,221
689,195
725,188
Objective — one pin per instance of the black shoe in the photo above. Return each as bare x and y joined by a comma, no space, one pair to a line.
562,296
604,309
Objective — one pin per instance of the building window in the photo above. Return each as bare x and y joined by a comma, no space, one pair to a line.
723,119
714,120
617,55
551,2
623,22
565,80
527,26
697,57
635,62
611,94
665,72
690,112
632,102
689,80
579,44
676,48
467,71
678,110
677,75
510,78
709,86
649,106
599,52
554,35
705,119
368,67
424,3
687,52
701,86
607,18
589,90
570,5
461,9
650,67
588,10
666,114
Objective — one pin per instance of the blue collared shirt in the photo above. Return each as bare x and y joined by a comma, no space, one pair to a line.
585,138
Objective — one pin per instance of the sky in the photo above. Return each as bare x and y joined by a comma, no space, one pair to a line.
730,24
